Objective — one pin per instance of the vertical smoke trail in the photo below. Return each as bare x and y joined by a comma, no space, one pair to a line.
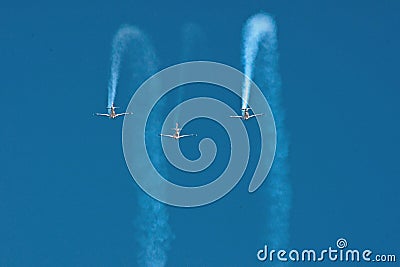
120,42
257,27
153,233
260,32
193,41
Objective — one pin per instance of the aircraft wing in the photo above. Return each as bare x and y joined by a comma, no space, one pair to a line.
121,114
186,135
101,114
167,135
236,117
255,115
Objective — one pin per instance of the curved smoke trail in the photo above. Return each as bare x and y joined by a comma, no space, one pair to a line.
120,42
260,32
256,29
153,232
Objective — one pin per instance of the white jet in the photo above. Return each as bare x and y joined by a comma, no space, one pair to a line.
111,114
177,135
247,115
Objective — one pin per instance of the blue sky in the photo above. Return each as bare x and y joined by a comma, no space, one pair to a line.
66,195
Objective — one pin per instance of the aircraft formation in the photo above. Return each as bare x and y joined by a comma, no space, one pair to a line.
177,131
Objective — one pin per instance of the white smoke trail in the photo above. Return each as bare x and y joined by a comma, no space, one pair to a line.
260,32
193,41
153,233
120,42
256,28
